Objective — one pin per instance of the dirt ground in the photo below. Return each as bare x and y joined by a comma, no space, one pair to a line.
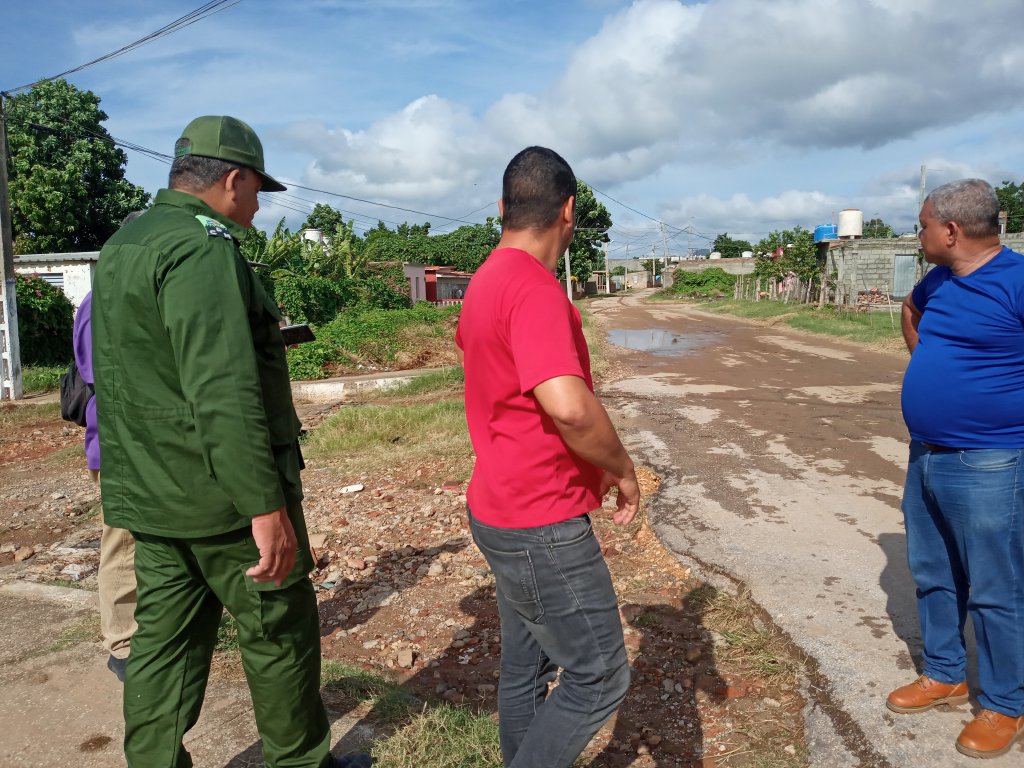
404,592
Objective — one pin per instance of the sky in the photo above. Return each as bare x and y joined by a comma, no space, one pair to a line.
689,119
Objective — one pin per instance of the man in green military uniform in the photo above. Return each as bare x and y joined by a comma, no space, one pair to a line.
200,459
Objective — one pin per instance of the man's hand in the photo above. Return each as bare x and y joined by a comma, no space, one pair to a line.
629,495
275,539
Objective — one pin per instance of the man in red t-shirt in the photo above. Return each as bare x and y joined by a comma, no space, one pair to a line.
546,454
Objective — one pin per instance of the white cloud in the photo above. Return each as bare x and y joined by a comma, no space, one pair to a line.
740,114
664,82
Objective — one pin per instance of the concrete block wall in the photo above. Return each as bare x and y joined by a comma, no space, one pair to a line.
730,266
871,263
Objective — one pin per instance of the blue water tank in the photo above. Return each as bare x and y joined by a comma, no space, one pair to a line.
825,232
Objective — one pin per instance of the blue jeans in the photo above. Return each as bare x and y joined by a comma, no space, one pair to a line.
964,514
558,609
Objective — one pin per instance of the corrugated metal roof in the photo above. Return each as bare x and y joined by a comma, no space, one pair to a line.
49,258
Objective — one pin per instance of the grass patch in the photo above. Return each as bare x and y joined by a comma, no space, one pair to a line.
446,381
649,619
85,586
378,339
84,630
72,454
424,736
863,327
227,635
39,379
366,438
758,647
391,704
18,415
596,343
443,736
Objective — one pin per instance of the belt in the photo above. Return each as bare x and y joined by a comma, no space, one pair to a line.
941,448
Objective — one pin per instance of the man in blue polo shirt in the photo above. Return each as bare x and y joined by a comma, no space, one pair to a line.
963,402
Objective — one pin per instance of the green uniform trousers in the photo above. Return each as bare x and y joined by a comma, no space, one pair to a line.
183,586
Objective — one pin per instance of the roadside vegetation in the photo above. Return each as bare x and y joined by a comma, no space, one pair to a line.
371,340
881,328
710,287
369,438
40,379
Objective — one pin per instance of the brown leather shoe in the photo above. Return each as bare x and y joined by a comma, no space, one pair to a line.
990,734
925,693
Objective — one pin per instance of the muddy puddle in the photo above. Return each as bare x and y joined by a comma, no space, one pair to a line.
662,343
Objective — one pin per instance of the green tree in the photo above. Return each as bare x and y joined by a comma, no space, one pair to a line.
730,248
592,224
878,228
406,243
325,218
791,250
67,185
1011,200
466,247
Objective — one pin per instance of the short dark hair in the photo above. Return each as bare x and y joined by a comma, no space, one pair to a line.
971,203
536,184
196,172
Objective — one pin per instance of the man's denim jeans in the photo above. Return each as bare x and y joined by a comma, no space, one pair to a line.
964,512
558,609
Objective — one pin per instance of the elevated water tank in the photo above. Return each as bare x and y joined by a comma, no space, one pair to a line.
851,223
715,255
825,232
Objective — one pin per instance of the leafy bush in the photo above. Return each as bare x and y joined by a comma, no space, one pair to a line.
388,289
707,282
375,339
312,299
38,379
45,321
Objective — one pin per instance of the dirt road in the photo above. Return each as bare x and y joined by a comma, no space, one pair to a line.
782,458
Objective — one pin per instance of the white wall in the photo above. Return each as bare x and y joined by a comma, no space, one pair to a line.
77,274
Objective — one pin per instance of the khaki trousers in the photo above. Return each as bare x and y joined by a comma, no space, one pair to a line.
116,579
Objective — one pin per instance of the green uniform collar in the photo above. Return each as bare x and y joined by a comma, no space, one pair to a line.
194,205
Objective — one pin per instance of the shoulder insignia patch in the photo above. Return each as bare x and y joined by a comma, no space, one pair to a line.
213,227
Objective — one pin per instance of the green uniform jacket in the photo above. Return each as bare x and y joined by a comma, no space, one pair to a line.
197,427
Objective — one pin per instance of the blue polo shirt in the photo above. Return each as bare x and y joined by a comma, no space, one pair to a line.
964,386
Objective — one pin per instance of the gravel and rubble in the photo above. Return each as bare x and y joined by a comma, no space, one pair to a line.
404,592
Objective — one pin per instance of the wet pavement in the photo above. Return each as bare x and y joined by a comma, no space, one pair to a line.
782,457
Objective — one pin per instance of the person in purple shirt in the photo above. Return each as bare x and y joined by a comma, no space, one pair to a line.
117,547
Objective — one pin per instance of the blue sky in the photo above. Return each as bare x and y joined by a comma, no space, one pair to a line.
743,116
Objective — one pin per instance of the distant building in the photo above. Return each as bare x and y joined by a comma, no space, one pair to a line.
71,272
438,285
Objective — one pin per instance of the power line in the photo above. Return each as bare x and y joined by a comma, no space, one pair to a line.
165,158
382,205
204,11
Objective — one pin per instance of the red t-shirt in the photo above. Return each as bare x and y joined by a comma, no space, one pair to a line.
518,330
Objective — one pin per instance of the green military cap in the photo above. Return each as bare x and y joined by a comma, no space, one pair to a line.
229,139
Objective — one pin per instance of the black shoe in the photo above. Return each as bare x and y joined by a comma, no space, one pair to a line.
117,666
352,760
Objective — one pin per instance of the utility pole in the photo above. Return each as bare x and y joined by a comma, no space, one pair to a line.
568,277
920,194
607,272
664,250
10,351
